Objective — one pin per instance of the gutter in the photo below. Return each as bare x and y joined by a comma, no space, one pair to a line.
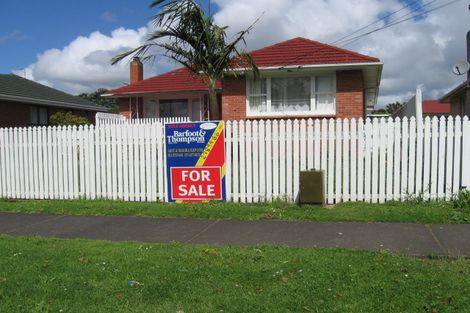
53,103
308,66
450,94
140,93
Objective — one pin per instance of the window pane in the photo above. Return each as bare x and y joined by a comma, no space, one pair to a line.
258,104
174,108
324,84
325,102
34,116
197,110
43,116
257,87
150,108
290,94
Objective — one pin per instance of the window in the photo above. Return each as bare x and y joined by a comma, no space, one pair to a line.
258,96
325,94
39,116
280,96
290,94
174,108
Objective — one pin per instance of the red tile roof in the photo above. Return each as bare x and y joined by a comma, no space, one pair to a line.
177,80
294,52
302,51
435,107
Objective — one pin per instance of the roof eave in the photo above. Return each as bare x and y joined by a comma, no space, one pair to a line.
310,66
448,96
52,103
140,93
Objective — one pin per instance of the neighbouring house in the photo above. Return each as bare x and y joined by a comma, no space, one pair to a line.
299,78
429,107
26,103
459,99
433,108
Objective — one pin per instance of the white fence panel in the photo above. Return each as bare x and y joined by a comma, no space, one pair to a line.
372,160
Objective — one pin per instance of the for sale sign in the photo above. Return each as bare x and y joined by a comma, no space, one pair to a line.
195,155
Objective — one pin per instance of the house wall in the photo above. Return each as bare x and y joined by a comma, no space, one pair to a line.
458,105
349,94
17,114
14,114
234,99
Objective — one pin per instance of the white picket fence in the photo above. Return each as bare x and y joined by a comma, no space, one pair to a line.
111,119
372,160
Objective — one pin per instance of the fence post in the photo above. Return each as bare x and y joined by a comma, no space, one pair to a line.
465,164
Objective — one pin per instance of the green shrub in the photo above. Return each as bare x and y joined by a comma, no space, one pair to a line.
462,200
68,118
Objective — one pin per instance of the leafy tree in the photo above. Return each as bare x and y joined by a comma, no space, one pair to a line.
379,111
96,98
394,107
193,39
67,118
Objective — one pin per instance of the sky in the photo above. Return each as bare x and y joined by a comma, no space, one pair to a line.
68,44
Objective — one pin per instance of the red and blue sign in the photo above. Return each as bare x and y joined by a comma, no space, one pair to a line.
195,157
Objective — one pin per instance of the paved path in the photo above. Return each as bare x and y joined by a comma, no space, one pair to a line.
408,239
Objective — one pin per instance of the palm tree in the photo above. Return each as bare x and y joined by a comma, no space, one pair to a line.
196,42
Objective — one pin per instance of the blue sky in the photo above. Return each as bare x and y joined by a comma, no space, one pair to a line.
68,44
29,27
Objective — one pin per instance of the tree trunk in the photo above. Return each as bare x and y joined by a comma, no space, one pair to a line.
214,113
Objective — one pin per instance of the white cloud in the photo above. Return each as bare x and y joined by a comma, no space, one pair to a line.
414,52
85,64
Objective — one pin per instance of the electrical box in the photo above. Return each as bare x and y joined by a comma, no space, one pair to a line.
312,187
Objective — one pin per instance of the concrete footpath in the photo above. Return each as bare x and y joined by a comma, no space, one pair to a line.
408,239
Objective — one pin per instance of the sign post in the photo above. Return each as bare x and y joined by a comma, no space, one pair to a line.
195,157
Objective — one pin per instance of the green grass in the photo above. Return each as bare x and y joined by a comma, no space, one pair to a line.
52,275
412,212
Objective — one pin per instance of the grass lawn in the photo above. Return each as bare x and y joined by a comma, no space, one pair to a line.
413,212
53,275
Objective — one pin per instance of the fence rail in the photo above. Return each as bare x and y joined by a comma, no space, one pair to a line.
374,160
111,119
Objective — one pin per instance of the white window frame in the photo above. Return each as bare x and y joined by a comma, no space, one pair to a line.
313,93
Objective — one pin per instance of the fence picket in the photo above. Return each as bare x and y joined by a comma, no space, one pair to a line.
255,160
449,157
360,160
442,153
456,162
346,173
235,161
364,160
228,160
431,161
269,162
390,141
262,143
276,159
353,160
242,138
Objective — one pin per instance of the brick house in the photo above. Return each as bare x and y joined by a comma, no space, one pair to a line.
299,78
26,103
459,99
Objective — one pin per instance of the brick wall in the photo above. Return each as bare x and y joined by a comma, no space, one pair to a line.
17,114
349,94
14,114
123,105
234,99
